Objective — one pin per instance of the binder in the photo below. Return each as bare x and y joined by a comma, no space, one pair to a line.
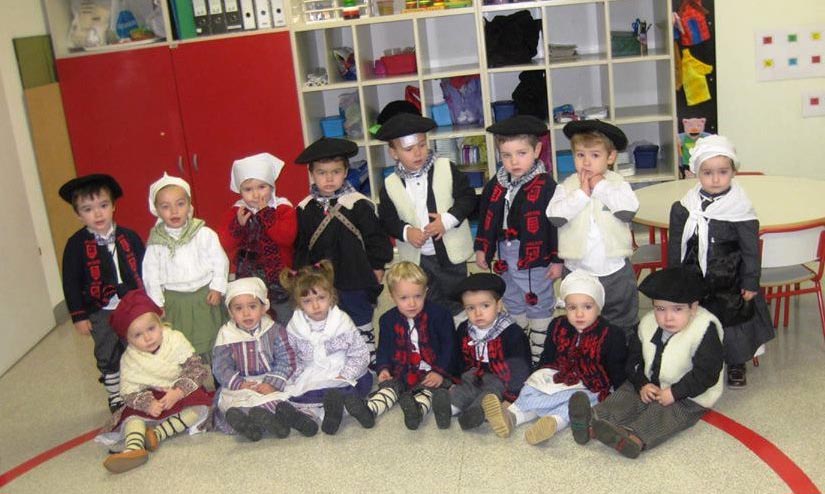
248,14
184,18
262,15
201,16
217,21
233,15
277,10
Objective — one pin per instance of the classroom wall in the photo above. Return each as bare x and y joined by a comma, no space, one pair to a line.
764,119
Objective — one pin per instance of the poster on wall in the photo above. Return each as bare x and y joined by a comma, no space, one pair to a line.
790,53
695,64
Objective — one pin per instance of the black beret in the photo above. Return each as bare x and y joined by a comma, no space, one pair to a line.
393,108
95,179
679,285
519,125
404,124
480,281
612,132
327,148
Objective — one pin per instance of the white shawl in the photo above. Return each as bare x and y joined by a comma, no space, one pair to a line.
143,370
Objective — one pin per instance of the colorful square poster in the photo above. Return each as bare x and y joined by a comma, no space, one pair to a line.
790,53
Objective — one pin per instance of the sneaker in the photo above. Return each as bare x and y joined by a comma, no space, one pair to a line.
736,376
580,417
243,425
471,418
412,412
501,419
298,420
617,438
150,439
267,420
359,410
125,461
542,430
333,411
442,408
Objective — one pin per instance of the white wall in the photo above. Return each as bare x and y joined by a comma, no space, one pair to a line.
764,119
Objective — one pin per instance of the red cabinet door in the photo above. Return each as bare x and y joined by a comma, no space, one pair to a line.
237,98
122,115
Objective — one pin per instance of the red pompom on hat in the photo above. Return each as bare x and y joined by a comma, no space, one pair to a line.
133,305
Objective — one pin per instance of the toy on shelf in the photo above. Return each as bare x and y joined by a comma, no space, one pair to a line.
694,130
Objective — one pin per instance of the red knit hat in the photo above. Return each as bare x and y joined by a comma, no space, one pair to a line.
133,305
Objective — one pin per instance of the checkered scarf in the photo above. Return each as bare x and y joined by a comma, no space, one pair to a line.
405,174
345,189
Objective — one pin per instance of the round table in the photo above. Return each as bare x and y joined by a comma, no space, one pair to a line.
779,201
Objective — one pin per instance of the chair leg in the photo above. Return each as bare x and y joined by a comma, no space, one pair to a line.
768,291
756,361
821,308
788,306
776,312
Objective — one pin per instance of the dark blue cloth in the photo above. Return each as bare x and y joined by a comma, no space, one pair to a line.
358,304
362,388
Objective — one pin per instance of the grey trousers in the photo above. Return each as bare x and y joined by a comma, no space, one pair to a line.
469,393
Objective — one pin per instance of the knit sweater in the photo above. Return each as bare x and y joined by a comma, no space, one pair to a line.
508,354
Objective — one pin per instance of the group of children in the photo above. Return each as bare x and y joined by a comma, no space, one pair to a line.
290,341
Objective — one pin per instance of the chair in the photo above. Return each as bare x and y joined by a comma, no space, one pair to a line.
793,257
652,256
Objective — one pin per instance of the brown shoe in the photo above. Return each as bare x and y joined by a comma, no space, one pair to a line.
542,430
125,461
151,441
501,420
617,438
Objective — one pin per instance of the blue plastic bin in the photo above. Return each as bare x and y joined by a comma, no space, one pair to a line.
332,126
502,110
646,156
564,162
476,179
441,114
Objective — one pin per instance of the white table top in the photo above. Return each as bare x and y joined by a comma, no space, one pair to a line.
779,201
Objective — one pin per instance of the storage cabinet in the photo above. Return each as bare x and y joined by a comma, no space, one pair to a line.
189,110
637,91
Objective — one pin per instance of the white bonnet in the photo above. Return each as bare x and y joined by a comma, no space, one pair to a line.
165,181
262,166
583,283
708,147
247,286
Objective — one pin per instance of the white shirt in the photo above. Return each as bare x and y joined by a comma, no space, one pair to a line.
414,341
617,197
200,262
417,190
114,300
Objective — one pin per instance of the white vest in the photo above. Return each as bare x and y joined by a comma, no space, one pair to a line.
615,232
458,241
677,357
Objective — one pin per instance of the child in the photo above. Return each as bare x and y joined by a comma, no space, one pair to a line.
259,230
331,356
513,224
673,371
185,268
715,230
416,352
424,206
496,353
339,224
101,263
583,352
592,210
252,361
161,384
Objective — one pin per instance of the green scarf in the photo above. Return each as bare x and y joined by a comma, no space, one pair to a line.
160,236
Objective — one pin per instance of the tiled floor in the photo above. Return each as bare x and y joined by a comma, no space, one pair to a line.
52,395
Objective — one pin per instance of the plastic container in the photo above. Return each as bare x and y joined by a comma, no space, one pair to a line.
646,156
441,114
624,44
476,179
564,162
332,126
403,63
502,110
385,7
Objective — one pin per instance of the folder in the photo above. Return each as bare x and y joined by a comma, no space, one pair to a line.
262,15
184,18
217,21
233,15
277,10
201,15
248,14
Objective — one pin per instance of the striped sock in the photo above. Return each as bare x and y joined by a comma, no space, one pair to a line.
382,400
134,434
111,382
424,398
176,424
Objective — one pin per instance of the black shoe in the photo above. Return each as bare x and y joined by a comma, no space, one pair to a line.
412,413
471,418
267,420
333,411
115,402
299,421
736,376
442,408
359,410
243,425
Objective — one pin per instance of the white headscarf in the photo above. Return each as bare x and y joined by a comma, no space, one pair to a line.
583,283
708,147
165,181
247,286
262,166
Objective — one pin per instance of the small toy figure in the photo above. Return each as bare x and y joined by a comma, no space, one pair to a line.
694,129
